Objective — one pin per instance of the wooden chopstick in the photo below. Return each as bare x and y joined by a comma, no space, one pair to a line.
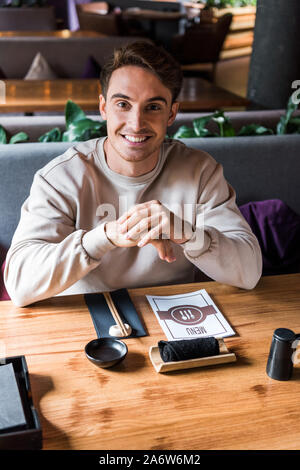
115,313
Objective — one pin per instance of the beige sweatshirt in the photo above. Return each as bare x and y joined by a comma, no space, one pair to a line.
60,246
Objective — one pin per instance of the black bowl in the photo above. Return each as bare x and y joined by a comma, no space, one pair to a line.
106,352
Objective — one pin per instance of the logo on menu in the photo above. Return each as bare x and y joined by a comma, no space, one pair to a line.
187,314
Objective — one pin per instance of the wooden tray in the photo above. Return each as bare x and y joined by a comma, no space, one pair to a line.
161,366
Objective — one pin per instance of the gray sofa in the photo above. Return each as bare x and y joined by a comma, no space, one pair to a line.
67,56
27,19
257,167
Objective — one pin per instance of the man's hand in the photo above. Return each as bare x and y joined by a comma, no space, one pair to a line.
118,238
151,221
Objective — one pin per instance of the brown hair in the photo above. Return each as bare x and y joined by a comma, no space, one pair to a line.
144,54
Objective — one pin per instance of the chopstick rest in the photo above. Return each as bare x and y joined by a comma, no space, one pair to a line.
182,350
116,331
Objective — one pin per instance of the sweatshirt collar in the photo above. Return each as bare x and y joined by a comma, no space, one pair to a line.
122,179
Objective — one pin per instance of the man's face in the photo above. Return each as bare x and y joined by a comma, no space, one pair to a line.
138,109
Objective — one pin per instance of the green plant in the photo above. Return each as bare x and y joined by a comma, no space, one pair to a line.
199,129
15,139
286,125
227,3
78,127
54,135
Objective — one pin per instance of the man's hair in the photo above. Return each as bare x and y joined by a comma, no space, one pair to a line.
144,54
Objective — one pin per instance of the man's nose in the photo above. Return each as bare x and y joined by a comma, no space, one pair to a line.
136,120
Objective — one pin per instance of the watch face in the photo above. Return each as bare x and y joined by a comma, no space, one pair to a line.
187,315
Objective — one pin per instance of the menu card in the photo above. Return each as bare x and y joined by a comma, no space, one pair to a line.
189,316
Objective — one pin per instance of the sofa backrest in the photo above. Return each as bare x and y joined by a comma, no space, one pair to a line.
257,167
18,164
67,56
146,5
27,19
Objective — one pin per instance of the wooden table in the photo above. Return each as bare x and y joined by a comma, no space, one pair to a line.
61,33
233,406
51,95
153,15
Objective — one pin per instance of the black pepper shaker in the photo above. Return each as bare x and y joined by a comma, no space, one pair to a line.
280,365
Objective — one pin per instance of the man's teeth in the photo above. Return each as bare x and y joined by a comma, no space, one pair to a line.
135,139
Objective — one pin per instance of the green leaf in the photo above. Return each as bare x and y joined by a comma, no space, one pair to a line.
3,138
184,132
281,126
84,129
19,137
254,129
199,125
293,126
54,135
73,113
228,130
224,123
284,120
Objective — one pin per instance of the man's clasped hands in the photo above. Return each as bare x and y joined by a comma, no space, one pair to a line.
150,222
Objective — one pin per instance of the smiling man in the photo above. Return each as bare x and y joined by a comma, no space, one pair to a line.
133,208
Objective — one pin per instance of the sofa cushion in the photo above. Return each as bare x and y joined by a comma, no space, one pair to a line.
40,69
277,228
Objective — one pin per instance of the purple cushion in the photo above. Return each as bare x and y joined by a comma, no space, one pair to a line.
3,292
277,228
91,69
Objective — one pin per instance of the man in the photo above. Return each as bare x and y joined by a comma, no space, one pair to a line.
133,209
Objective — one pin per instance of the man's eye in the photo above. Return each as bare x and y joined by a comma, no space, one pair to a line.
154,107
121,104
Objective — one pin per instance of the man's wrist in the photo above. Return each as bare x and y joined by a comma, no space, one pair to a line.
183,240
107,233
96,243
182,231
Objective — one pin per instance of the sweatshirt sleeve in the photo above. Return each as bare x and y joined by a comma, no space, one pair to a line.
48,254
223,245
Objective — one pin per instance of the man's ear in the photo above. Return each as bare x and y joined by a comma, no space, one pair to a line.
173,112
102,107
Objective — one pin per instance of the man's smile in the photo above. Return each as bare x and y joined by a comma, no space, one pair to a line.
135,139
